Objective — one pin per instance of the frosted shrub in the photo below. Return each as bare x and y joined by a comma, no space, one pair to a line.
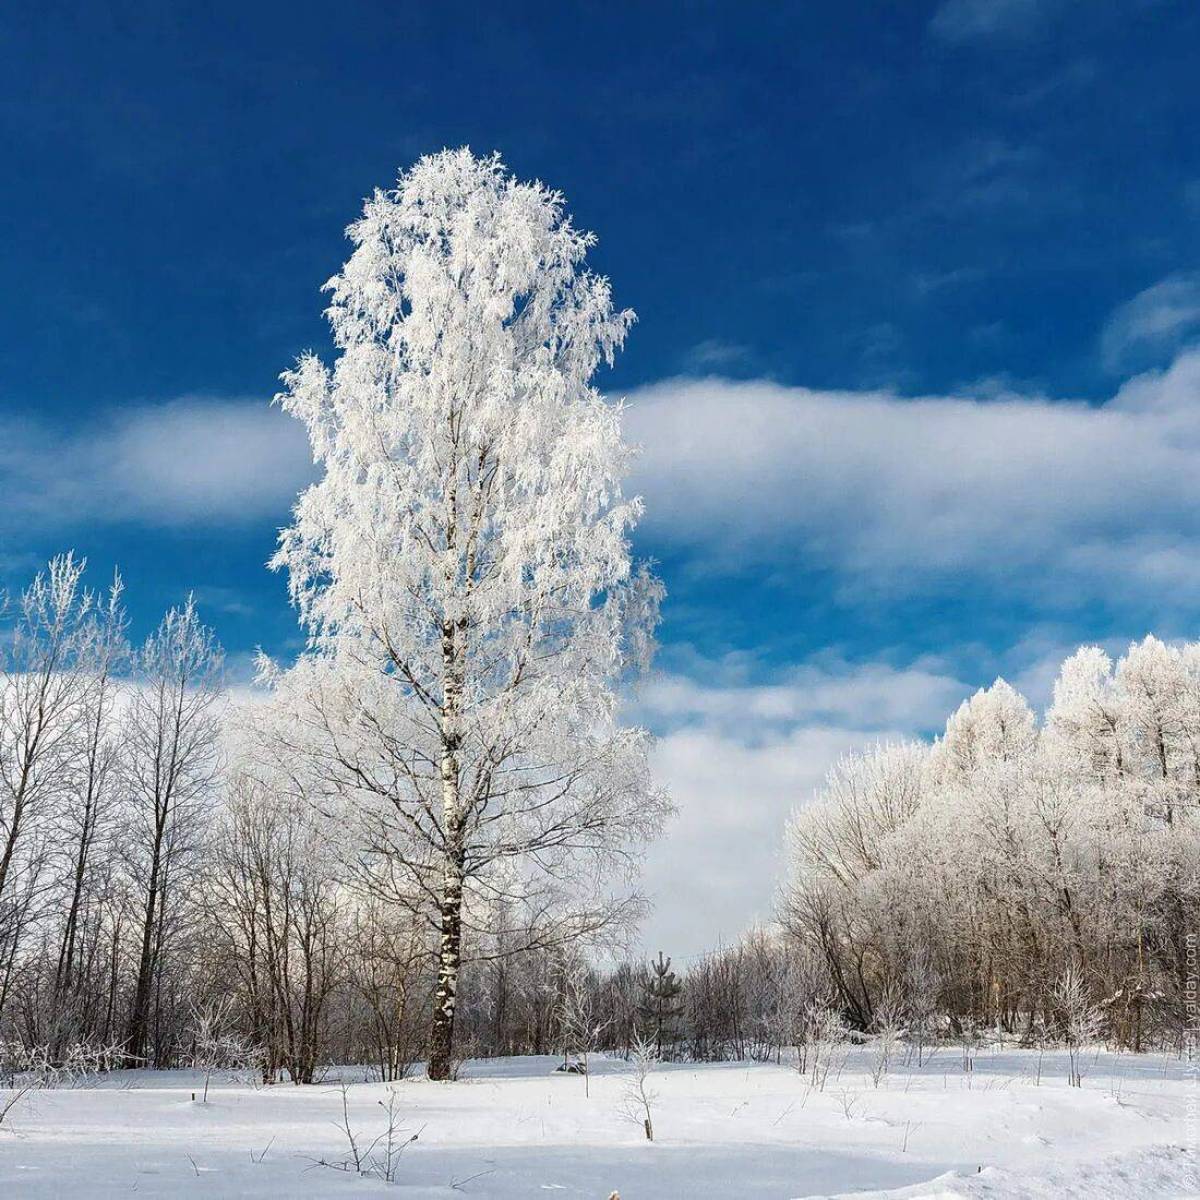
825,1036
637,1096
217,1048
1080,1020
888,1028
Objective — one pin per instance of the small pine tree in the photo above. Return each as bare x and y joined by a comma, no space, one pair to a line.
661,1003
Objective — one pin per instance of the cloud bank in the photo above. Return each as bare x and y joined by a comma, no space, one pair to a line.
190,461
1057,499
1053,496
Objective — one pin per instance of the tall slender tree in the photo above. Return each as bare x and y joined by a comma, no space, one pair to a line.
43,679
463,569
92,797
170,738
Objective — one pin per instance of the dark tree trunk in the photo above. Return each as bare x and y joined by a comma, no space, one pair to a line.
445,999
139,1020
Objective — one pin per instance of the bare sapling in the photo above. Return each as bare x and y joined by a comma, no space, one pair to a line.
637,1096
380,1157
826,1036
921,987
1080,1020
888,1028
216,1048
580,1026
969,1041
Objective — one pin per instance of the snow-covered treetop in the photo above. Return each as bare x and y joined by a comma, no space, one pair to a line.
994,725
471,472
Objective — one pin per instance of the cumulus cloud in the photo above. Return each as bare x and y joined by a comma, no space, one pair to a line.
1048,495
191,460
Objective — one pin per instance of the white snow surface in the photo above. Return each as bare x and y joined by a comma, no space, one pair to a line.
513,1128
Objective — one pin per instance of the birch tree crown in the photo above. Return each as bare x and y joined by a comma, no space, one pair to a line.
462,566
471,472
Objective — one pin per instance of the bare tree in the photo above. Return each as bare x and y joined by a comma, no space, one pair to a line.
170,737
42,682
274,896
390,955
88,817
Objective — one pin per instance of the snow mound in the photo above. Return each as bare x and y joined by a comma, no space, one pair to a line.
1151,1173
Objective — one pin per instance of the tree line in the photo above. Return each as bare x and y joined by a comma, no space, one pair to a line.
160,873
988,863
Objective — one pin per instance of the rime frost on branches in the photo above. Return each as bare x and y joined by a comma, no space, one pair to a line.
987,860
462,566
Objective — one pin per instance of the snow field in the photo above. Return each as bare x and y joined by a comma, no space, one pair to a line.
512,1128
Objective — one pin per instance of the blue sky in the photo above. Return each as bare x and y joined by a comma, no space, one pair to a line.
918,288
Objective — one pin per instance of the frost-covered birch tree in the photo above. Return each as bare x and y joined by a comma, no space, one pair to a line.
463,571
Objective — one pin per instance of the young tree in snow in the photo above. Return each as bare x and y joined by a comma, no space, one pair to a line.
580,1025
661,1001
215,1047
463,569
1080,1020
637,1096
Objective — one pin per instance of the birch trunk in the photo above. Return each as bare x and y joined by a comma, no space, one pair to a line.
445,998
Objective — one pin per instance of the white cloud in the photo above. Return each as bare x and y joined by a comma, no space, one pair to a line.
714,353
1156,321
830,692
738,757
715,871
1051,496
192,460
1059,500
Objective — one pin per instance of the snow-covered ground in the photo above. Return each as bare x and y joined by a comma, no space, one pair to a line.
512,1128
